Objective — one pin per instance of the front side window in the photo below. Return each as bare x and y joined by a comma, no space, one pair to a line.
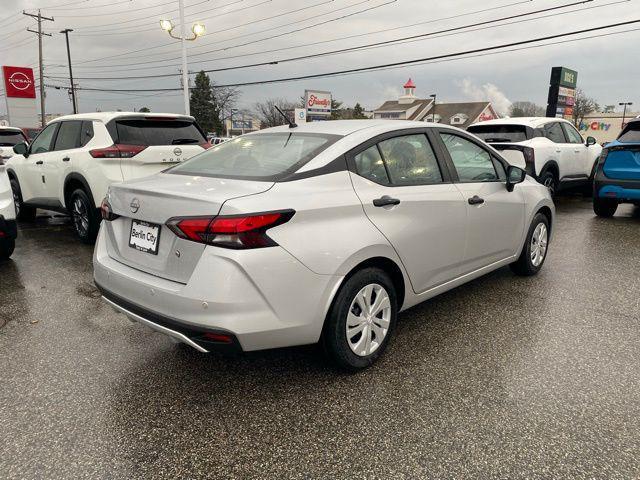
43,142
410,160
369,165
553,131
68,135
262,156
572,134
472,163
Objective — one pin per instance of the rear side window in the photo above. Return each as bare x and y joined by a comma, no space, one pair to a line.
472,163
158,132
631,133
500,133
266,156
553,131
87,132
369,165
410,160
9,138
68,135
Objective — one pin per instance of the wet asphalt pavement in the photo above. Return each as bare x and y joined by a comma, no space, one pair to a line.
504,377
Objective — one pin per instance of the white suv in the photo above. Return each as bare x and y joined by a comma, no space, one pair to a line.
72,162
549,149
8,230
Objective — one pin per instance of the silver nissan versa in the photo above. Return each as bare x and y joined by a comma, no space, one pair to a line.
316,233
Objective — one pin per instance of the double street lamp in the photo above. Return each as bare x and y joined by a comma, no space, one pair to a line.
197,30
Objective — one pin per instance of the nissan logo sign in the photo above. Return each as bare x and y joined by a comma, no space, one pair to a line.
177,151
135,205
20,81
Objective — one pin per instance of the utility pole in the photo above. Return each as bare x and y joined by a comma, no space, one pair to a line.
73,90
624,112
40,33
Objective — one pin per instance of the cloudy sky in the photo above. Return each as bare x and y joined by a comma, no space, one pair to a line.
122,38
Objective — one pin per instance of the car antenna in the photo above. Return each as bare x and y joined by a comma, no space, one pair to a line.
291,124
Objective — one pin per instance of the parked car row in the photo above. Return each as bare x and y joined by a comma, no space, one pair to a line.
304,234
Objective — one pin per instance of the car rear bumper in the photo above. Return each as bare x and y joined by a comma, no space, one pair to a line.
622,190
8,228
264,298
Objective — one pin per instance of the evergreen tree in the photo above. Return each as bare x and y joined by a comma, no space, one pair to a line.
204,107
358,112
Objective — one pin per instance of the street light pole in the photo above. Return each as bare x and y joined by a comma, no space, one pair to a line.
73,90
433,110
624,110
185,72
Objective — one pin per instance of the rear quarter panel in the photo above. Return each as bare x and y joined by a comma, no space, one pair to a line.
7,209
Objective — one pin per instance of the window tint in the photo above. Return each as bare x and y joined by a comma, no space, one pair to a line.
42,143
472,162
410,160
158,132
500,133
631,133
9,138
553,131
87,132
502,173
369,165
572,134
68,135
262,156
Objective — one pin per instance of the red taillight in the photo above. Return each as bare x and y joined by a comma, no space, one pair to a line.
117,151
206,145
234,231
105,211
218,337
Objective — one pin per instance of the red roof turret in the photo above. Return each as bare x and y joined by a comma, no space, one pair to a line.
409,84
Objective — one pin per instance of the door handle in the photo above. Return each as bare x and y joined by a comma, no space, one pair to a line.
577,151
66,159
39,162
475,200
385,200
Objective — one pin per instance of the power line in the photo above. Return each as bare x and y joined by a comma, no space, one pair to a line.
146,49
362,47
394,64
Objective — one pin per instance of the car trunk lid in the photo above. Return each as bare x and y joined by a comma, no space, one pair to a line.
623,163
156,199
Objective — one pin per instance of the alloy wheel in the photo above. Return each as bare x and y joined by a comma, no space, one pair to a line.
16,203
368,320
539,241
80,216
550,183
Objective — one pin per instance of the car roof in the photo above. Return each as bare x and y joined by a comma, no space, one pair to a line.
532,122
348,127
10,129
106,117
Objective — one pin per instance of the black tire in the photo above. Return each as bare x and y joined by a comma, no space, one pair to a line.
334,335
24,213
6,248
525,265
604,207
549,180
84,215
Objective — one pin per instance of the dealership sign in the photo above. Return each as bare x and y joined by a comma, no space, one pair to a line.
20,96
19,82
317,103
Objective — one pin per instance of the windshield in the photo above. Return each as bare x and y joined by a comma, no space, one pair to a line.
158,132
631,133
500,133
266,156
9,138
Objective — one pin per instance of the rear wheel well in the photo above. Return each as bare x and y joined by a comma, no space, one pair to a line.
390,268
70,186
551,167
11,175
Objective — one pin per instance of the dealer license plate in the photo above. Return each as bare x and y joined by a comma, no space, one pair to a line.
144,236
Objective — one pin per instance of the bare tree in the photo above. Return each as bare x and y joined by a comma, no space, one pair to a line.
526,109
583,106
267,114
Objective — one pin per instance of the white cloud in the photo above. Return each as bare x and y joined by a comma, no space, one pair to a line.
487,92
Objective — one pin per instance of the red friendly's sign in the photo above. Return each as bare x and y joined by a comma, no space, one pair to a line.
19,82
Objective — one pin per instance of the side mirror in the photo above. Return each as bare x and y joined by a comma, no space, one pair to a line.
515,175
591,141
21,149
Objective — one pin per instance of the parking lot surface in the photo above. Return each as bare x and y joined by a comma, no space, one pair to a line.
505,377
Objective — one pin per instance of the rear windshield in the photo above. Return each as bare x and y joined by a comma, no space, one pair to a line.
10,138
500,133
266,156
631,133
158,132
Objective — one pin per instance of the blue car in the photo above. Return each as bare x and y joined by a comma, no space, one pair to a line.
617,176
